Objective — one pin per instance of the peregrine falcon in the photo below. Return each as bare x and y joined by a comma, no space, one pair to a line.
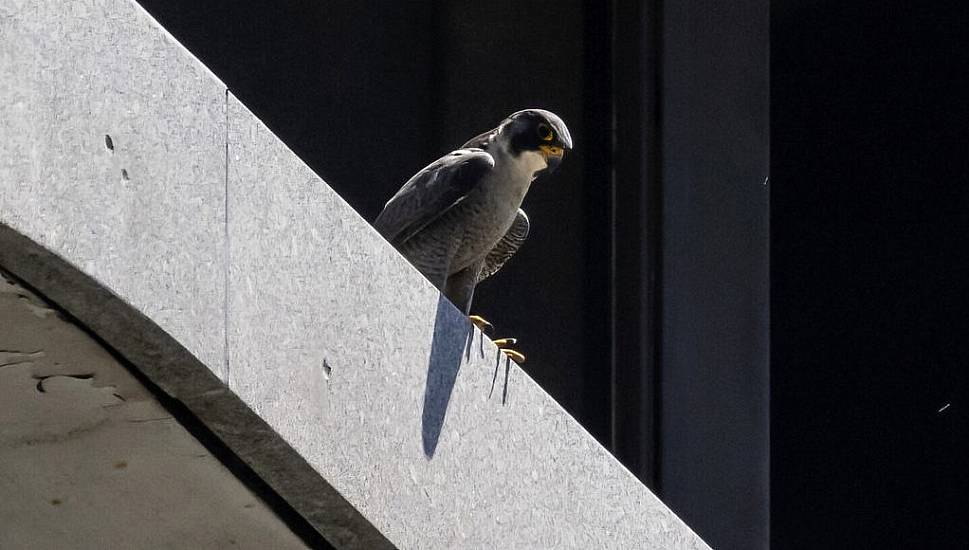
460,219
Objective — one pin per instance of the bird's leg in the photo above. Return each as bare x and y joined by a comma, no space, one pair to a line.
459,288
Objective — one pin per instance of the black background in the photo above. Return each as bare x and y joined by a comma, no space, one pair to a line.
869,274
869,192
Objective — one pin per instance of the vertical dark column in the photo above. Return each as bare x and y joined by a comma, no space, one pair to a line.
598,199
636,239
689,260
714,374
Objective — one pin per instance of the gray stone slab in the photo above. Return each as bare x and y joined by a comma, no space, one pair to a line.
142,211
89,459
385,390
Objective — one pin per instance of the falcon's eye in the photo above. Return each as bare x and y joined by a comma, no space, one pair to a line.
545,132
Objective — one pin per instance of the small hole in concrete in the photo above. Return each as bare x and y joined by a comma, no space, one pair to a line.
120,465
56,501
326,369
124,174
108,142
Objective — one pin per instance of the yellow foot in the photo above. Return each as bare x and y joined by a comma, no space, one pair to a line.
505,342
482,324
515,356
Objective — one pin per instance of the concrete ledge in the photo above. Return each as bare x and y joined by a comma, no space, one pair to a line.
236,280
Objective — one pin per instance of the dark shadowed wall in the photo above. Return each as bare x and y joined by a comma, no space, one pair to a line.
870,275
714,354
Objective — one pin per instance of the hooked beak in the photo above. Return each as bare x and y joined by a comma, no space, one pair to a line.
553,156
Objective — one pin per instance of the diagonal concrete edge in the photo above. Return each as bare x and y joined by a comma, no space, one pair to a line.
143,198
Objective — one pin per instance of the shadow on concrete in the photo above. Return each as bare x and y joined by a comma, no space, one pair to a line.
504,392
452,336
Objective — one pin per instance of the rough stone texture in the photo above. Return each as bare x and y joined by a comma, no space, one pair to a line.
360,396
385,389
144,216
89,459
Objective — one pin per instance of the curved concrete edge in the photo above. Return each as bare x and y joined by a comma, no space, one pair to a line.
112,205
89,453
210,256
171,367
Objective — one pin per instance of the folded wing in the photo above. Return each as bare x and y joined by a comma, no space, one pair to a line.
432,192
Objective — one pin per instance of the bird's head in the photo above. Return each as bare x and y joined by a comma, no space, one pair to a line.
536,131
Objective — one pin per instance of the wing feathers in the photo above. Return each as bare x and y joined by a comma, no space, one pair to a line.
432,192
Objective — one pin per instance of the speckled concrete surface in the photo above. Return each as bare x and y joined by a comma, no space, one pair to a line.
113,139
349,354
356,369
89,459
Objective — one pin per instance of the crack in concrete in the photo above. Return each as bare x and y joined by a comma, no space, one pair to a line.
228,267
19,358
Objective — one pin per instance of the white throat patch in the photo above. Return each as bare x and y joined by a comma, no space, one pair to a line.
531,162
523,167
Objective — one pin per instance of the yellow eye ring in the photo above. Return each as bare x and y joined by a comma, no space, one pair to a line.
545,132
